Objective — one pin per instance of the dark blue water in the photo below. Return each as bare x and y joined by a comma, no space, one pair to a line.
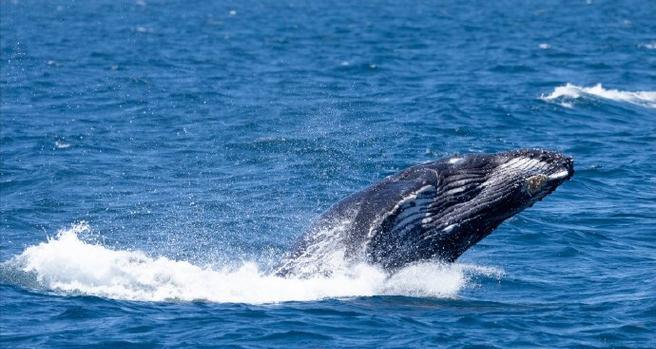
159,157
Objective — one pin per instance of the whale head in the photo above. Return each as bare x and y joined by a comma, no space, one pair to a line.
486,189
528,175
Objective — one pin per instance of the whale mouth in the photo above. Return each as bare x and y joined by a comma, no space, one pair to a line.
563,174
564,170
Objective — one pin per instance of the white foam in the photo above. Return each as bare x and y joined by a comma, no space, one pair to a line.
142,29
565,94
68,265
61,145
649,45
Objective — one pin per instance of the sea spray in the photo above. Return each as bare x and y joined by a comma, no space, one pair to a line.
67,264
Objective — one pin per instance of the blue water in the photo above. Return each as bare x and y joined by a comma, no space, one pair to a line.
159,157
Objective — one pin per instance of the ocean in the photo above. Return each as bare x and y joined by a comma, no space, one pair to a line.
159,157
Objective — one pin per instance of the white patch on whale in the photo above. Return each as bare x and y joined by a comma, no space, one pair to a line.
450,227
559,175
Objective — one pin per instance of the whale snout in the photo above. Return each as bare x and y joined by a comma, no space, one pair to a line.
565,170
561,166
554,165
542,171
569,166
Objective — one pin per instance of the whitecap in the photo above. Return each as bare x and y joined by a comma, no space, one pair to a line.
564,95
142,29
62,145
649,45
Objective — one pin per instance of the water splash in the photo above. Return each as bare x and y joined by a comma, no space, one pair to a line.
565,95
59,144
67,264
648,45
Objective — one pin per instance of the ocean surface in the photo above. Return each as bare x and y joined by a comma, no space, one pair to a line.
159,157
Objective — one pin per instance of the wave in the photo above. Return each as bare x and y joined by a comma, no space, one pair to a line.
68,265
564,95
648,45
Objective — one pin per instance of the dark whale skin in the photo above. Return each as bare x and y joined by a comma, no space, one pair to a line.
435,210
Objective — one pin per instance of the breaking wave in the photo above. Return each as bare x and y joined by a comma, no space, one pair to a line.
565,95
68,265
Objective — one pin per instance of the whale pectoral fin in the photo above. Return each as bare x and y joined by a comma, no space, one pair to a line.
396,241
413,228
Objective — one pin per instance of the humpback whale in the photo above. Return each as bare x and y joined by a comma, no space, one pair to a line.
432,211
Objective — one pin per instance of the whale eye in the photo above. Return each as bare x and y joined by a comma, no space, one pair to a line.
535,183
